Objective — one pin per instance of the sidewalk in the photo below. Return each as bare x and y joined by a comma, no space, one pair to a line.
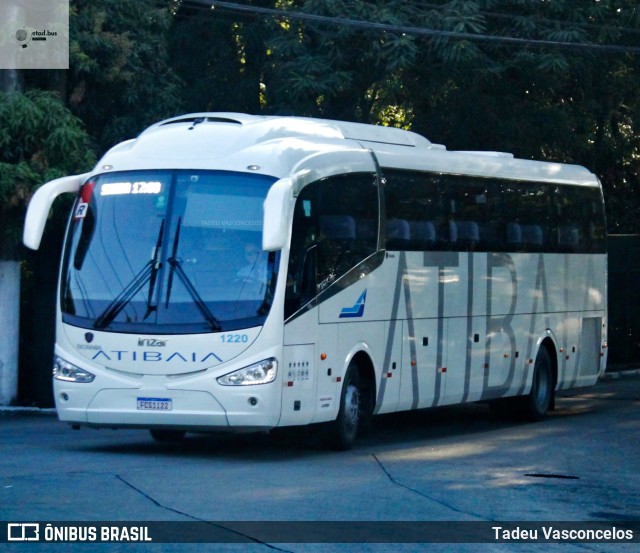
626,373
26,411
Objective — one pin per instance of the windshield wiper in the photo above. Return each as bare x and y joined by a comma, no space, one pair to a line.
155,267
176,266
148,273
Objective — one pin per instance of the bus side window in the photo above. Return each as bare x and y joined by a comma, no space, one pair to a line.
570,220
528,216
335,227
580,220
412,211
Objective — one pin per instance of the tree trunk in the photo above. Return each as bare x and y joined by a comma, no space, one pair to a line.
10,80
10,330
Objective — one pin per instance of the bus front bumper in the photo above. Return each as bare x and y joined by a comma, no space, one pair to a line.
161,408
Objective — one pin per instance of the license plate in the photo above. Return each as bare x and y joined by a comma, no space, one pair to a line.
154,404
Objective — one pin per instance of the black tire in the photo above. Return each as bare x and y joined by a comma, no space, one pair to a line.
535,406
343,432
164,435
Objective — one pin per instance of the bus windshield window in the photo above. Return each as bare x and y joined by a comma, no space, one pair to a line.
168,251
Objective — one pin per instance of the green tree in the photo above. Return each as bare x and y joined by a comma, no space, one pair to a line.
339,71
221,58
39,140
553,101
573,105
120,79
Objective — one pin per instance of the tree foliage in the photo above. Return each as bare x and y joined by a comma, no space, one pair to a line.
39,140
342,72
541,98
133,63
455,81
220,58
120,79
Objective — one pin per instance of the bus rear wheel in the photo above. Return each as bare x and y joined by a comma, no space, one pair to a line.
536,404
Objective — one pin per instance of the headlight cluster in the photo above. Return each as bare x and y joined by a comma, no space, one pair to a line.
68,372
258,373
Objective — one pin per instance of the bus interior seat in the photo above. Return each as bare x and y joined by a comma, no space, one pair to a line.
398,234
568,238
532,236
366,230
338,227
423,235
514,236
468,234
447,234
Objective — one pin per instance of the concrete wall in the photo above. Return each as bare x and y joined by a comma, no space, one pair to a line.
9,330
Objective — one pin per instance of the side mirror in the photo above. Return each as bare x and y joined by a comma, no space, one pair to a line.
277,215
40,204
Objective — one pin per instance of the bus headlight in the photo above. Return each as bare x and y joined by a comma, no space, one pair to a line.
68,372
258,373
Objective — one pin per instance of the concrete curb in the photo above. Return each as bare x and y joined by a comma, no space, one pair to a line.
617,375
26,411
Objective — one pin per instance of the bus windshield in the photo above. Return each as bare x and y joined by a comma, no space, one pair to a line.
168,252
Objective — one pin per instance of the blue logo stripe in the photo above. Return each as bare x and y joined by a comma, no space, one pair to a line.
357,310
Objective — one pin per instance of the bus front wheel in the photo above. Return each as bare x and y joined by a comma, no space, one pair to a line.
344,430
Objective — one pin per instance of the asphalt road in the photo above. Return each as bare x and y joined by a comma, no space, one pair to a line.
444,465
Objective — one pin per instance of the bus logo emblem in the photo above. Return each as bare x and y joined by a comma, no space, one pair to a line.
357,310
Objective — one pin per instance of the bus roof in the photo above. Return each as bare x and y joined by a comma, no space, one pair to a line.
278,145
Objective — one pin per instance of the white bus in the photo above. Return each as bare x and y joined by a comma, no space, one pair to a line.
228,271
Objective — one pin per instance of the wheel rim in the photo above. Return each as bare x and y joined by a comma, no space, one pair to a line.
351,408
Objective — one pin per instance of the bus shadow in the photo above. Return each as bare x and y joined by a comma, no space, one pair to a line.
391,430
456,422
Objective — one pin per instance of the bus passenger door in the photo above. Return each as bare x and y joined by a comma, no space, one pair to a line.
298,384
